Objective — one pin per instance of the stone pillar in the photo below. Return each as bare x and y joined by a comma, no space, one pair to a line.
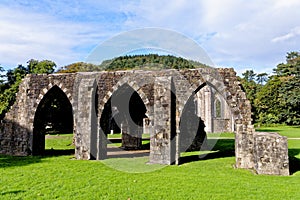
86,121
244,148
208,109
163,140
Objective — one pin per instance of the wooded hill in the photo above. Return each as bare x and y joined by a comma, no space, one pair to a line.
151,61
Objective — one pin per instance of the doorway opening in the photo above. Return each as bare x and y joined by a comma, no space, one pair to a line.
53,125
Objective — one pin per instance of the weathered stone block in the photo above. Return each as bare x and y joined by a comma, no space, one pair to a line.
270,154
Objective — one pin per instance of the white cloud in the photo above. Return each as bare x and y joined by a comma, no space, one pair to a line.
293,33
243,29
25,35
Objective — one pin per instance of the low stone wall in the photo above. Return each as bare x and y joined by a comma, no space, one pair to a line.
270,154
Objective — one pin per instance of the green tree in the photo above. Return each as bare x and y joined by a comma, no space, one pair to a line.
2,79
40,67
250,88
266,102
16,74
289,74
249,75
1,75
279,100
80,67
10,86
261,78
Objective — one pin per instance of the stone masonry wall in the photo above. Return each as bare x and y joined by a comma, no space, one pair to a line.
16,129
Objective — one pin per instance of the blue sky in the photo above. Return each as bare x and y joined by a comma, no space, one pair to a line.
234,33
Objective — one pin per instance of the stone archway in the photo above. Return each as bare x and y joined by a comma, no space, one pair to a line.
214,110
54,113
124,112
216,86
191,125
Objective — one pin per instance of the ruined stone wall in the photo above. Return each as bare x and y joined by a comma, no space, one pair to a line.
164,99
222,125
14,129
241,111
17,126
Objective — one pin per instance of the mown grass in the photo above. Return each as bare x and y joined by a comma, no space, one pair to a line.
208,177
288,131
220,135
118,135
59,141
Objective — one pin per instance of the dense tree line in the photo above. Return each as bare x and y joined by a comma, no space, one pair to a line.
9,81
150,61
275,98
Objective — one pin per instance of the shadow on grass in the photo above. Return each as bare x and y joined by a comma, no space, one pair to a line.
294,162
222,148
59,152
118,141
18,161
267,130
12,192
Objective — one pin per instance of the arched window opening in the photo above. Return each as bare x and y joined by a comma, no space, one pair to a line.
218,108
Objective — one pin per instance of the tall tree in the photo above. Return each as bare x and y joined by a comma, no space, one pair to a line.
266,102
2,79
250,88
261,78
1,75
249,75
16,74
279,100
290,89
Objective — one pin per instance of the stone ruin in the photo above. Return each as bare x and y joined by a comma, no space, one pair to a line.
177,108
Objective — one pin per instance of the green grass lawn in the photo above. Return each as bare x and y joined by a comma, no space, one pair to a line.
59,141
288,131
209,177
118,135
220,135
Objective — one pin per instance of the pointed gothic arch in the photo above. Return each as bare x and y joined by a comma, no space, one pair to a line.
54,113
124,111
